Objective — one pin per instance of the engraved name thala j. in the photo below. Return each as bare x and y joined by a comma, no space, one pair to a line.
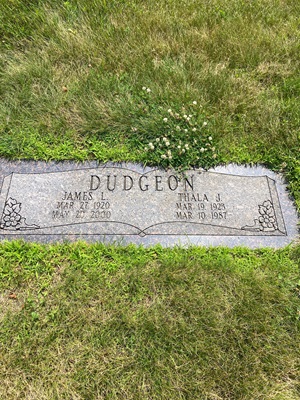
120,201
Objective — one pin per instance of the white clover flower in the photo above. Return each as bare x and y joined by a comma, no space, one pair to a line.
185,116
186,131
165,119
144,88
151,145
164,139
202,150
194,102
194,129
183,150
213,148
157,139
188,118
148,90
146,148
169,152
134,129
214,156
178,128
195,141
204,123
167,143
163,156
170,157
179,147
186,146
169,110
210,138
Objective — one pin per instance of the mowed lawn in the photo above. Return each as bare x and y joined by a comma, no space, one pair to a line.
172,83
104,322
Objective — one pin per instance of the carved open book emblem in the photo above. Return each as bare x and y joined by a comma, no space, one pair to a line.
121,201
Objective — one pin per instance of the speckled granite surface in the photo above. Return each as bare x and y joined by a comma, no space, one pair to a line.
125,203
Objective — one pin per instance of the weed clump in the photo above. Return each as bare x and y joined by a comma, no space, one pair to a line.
184,138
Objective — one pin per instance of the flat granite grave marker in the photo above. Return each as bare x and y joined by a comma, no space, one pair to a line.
231,205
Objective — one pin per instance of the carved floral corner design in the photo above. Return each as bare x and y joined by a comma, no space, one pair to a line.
11,217
266,221
267,217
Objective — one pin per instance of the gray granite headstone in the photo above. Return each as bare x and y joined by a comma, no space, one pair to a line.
231,205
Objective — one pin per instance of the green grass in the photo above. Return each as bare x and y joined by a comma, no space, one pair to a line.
93,322
72,73
87,322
